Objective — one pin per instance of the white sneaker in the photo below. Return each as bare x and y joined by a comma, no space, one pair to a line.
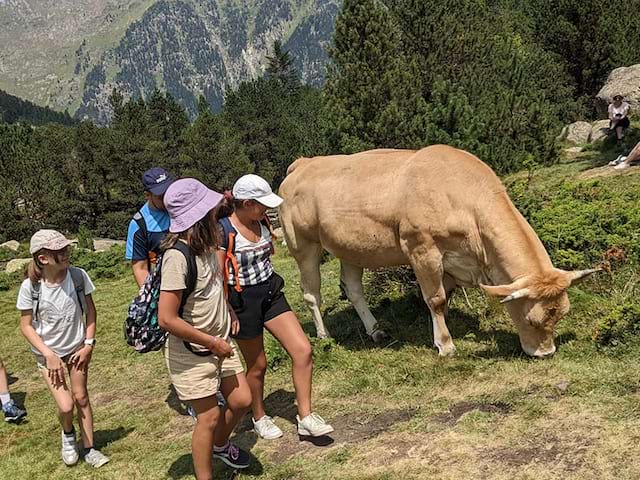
266,428
313,425
96,458
69,450
621,166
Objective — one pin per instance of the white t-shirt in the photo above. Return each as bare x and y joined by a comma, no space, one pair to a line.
623,110
60,323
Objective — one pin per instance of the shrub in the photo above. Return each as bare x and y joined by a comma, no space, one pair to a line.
618,327
109,264
85,239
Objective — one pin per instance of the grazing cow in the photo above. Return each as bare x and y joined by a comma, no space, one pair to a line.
440,210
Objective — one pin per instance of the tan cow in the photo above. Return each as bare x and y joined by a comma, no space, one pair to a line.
440,210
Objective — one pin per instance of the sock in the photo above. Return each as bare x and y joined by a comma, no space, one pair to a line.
72,432
86,450
5,398
221,449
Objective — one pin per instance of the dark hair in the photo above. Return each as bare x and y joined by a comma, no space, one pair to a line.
202,237
228,205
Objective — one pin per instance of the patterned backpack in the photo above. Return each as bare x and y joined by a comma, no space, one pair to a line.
141,329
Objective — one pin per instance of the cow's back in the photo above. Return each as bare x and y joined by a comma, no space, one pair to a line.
357,205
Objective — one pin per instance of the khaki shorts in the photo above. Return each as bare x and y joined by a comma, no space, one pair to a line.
194,376
42,362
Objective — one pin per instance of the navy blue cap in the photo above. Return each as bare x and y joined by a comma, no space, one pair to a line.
156,180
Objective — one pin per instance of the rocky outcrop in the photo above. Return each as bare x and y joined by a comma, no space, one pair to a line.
17,265
623,81
577,133
11,245
599,130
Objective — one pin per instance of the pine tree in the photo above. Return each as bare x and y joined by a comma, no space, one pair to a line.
280,67
374,94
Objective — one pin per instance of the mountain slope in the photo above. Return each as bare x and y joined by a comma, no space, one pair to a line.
188,47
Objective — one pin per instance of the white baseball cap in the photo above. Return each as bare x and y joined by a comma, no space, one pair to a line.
49,239
253,187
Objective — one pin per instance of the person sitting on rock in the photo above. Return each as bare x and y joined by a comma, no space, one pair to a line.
619,116
625,162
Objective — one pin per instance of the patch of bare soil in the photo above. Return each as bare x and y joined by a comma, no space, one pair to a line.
606,171
457,410
543,450
349,429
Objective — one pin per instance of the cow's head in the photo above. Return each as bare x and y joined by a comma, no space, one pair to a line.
536,303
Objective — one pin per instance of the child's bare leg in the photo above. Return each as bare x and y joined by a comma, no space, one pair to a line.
80,394
208,417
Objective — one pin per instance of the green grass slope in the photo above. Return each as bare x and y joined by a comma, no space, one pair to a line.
400,411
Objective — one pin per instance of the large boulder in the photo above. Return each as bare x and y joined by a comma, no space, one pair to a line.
599,130
11,245
17,265
624,81
577,133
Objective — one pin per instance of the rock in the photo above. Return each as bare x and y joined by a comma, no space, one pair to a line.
11,245
624,81
599,130
578,133
16,265
573,150
103,244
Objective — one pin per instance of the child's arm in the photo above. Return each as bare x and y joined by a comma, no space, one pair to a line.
82,357
169,320
53,363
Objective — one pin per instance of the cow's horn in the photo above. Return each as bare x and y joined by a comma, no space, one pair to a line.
523,292
576,275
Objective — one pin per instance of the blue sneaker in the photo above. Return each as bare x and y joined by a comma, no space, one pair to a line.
13,413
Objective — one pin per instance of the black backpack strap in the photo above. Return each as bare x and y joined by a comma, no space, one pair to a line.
192,278
227,228
78,284
142,225
192,272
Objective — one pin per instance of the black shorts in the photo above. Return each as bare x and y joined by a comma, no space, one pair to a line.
624,123
257,304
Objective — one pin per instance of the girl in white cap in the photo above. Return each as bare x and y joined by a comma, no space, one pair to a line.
256,294
53,301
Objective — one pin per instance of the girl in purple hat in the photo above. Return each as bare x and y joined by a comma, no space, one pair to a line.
201,357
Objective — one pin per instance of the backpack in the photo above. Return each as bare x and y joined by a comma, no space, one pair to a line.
229,233
78,284
141,329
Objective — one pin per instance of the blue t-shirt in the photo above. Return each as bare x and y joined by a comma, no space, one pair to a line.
141,248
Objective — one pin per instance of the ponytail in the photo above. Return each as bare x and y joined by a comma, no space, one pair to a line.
34,269
227,206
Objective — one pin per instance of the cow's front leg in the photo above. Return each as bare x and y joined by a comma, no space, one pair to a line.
429,272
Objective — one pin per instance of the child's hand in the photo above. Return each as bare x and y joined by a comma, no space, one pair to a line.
82,357
55,368
220,347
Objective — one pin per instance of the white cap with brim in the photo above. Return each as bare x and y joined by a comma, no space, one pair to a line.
253,187
48,240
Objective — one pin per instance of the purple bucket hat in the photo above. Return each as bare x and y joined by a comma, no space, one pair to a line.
187,200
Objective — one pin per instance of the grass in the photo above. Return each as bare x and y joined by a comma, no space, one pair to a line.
400,411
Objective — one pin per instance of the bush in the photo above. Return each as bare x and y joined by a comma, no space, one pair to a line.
618,327
109,264
9,280
85,239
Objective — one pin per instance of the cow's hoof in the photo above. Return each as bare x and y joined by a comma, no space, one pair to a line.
379,336
446,350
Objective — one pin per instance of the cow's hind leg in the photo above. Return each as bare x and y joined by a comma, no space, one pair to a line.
308,255
351,283
429,272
